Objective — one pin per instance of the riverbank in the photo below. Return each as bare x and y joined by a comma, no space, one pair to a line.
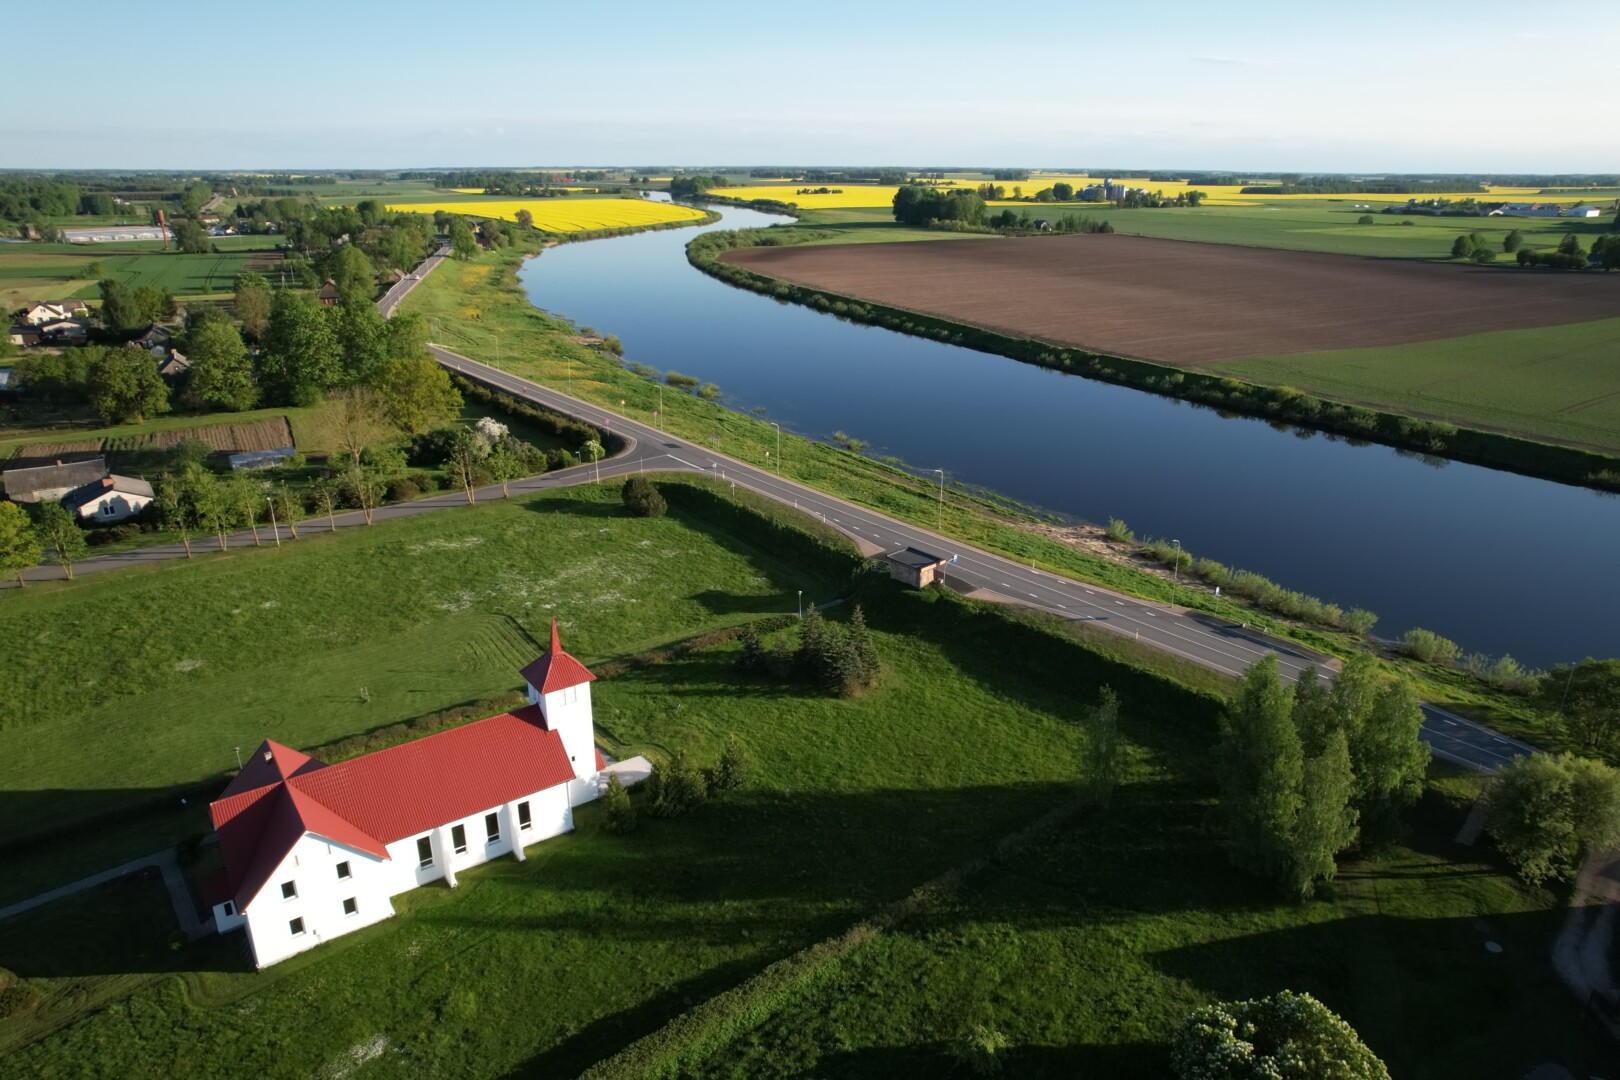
1278,405
483,311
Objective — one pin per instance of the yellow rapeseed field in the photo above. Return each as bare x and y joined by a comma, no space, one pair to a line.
564,215
861,195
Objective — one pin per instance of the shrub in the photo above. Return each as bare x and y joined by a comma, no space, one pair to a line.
402,490
642,499
1287,1036
1119,532
1364,219
1360,621
8,978
16,1000
976,1048
681,382
621,815
1429,647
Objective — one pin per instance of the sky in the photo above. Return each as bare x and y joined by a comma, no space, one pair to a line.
1371,86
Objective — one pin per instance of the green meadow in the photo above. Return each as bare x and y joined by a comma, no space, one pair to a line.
1554,384
131,689
1083,950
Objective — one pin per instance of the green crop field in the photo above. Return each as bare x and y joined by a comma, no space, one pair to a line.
1084,952
1292,225
1555,383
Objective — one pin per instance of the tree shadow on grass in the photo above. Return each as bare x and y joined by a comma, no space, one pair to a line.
125,926
1425,993
934,1059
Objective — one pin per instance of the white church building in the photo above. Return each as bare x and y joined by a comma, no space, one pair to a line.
313,851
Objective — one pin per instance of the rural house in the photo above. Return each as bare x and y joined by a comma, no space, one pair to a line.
47,311
111,499
313,851
43,483
328,294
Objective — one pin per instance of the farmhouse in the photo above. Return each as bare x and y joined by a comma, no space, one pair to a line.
111,499
313,851
328,294
47,311
44,483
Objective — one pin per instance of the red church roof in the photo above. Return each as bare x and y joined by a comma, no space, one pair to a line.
556,670
371,801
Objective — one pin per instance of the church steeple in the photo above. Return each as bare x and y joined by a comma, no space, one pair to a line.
560,686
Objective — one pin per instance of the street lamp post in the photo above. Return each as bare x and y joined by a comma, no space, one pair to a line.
801,603
778,428
1175,573
939,517
275,530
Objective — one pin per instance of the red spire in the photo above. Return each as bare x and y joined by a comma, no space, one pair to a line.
556,670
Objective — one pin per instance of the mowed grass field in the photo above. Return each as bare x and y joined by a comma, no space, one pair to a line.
1553,383
1084,951
130,683
564,215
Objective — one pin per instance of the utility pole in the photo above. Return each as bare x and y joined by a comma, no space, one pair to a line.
1175,573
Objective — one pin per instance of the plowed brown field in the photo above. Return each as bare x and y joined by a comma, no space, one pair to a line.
1187,303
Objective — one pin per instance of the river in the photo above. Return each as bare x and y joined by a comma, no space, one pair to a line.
1500,563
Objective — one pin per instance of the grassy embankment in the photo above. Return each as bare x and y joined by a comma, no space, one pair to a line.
130,690
1084,951
480,310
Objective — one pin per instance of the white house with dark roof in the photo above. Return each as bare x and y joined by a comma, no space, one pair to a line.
314,851
48,311
109,500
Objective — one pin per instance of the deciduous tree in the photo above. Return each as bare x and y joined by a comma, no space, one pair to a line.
416,394
1287,1036
1586,697
59,531
175,509
1544,810
1261,769
20,548
221,374
301,357
251,303
124,386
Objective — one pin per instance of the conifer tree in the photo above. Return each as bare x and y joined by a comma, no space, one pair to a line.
621,815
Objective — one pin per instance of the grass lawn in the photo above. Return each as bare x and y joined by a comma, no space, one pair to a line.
129,688
1554,383
1085,952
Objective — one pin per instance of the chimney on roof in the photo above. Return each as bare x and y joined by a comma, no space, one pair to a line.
269,755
